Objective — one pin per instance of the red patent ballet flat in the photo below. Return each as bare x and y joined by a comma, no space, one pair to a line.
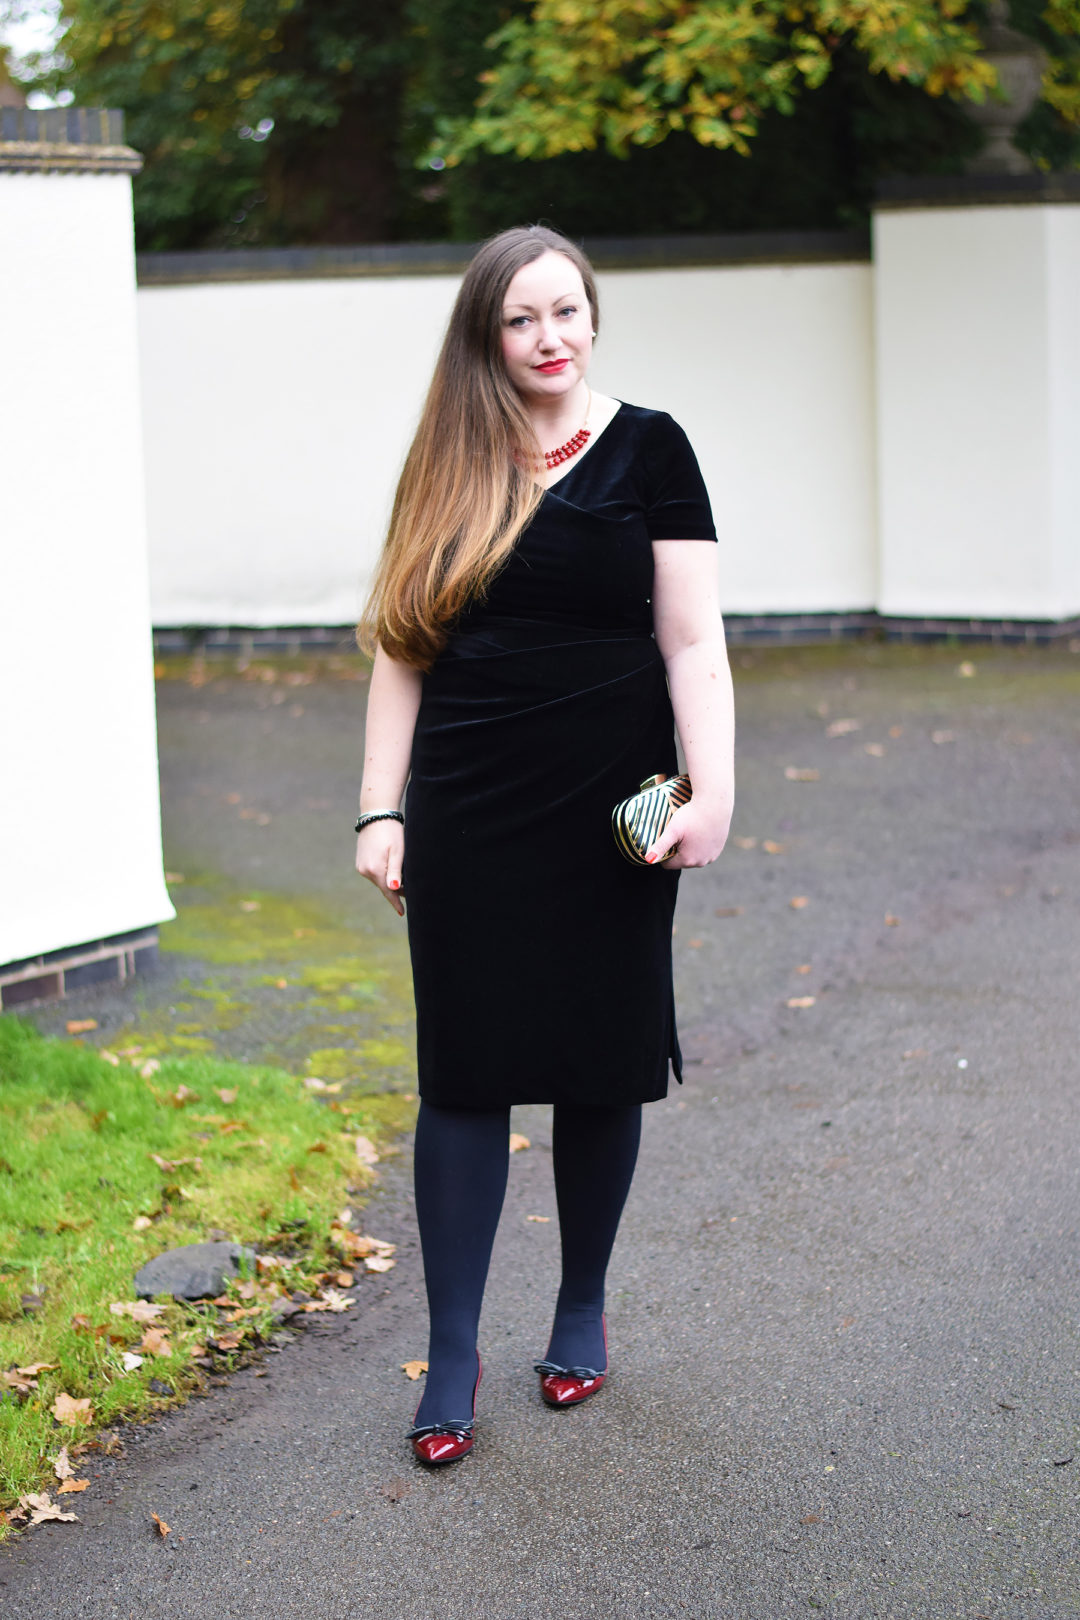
436,1443
566,1386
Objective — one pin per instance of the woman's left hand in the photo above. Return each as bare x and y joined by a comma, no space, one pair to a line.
699,831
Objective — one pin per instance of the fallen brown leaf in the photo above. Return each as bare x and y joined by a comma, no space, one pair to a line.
139,1310
81,1324
803,967
229,1341
69,1485
771,847
330,1300
366,1151
155,1342
228,1094
41,1509
36,1367
344,1279
62,1464
799,901
182,1095
542,1218
811,1518
379,1262
162,1528
518,1143
413,1369
66,1409
141,1222
745,843
801,1001
695,944
801,773
891,921
79,1026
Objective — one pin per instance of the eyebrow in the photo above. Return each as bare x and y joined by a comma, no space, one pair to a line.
531,308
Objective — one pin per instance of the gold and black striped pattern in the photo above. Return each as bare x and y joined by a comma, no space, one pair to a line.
638,822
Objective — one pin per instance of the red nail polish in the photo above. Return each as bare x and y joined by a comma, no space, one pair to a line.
394,884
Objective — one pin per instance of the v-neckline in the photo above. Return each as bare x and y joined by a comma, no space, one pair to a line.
577,460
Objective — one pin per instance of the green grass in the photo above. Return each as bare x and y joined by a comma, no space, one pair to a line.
272,1166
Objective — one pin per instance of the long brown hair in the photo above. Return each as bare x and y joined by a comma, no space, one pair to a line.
466,491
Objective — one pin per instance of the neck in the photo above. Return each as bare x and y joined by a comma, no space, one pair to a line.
555,420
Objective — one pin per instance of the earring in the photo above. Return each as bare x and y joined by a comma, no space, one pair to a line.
594,334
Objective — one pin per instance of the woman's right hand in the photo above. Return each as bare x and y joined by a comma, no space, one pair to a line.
380,852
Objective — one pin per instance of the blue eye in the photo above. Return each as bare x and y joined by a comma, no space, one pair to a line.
568,309
517,320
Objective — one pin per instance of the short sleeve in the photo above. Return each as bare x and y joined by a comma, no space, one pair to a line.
676,500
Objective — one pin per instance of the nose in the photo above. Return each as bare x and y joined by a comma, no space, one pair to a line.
549,337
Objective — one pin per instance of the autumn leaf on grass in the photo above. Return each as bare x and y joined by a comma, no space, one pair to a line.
155,1342
140,1310
141,1222
41,1508
169,1165
228,1341
413,1369
130,1360
518,1143
228,1094
366,1151
66,1409
62,1464
162,1528
182,1095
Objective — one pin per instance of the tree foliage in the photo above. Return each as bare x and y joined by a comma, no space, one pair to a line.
266,122
574,75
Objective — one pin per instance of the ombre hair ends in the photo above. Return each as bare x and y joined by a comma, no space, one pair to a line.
467,489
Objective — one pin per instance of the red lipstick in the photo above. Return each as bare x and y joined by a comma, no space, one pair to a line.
552,367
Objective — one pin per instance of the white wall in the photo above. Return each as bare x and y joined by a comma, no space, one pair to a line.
277,414
80,844
978,354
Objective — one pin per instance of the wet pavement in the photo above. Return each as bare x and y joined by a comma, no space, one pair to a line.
844,1308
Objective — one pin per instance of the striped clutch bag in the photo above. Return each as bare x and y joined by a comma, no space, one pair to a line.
638,822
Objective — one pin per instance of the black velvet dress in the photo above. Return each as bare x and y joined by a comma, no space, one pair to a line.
541,958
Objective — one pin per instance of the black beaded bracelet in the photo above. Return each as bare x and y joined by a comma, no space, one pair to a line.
378,815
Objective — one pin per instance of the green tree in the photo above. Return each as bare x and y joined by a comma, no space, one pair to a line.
261,121
575,75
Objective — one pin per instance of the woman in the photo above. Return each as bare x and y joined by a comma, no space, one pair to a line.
542,591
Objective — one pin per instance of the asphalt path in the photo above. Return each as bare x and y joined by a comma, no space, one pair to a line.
844,1307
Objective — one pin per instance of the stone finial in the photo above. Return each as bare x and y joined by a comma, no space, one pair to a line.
1020,63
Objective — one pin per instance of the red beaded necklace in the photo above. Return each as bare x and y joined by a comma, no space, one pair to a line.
574,443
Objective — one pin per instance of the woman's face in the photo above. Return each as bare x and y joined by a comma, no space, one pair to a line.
546,329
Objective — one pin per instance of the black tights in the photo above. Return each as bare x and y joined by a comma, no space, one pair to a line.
461,1163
